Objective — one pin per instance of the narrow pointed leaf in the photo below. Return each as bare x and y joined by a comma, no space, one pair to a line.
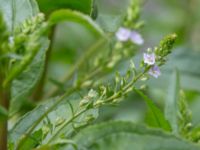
158,117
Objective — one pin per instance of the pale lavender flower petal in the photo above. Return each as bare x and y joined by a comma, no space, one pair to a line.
136,38
149,59
123,34
155,71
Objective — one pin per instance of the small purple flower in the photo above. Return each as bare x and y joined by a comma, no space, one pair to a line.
155,71
149,59
123,34
136,38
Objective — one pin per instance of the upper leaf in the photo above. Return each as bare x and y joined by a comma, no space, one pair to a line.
69,15
48,6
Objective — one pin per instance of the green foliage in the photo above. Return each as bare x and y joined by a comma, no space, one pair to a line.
74,62
26,81
54,117
126,135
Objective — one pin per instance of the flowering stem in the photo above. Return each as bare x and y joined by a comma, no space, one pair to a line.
108,99
125,89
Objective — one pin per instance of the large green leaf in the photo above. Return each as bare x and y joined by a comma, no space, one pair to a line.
25,82
49,117
158,118
48,6
127,135
171,106
25,123
16,11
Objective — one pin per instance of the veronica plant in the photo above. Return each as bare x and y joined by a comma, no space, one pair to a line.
61,113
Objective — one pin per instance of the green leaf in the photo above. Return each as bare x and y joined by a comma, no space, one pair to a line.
25,123
49,117
26,81
158,118
48,6
68,15
127,135
17,11
171,106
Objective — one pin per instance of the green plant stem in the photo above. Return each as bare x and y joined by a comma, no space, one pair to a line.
38,93
4,102
78,64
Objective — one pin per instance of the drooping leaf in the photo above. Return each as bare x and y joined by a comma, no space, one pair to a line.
158,118
48,6
171,106
69,15
127,135
17,11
